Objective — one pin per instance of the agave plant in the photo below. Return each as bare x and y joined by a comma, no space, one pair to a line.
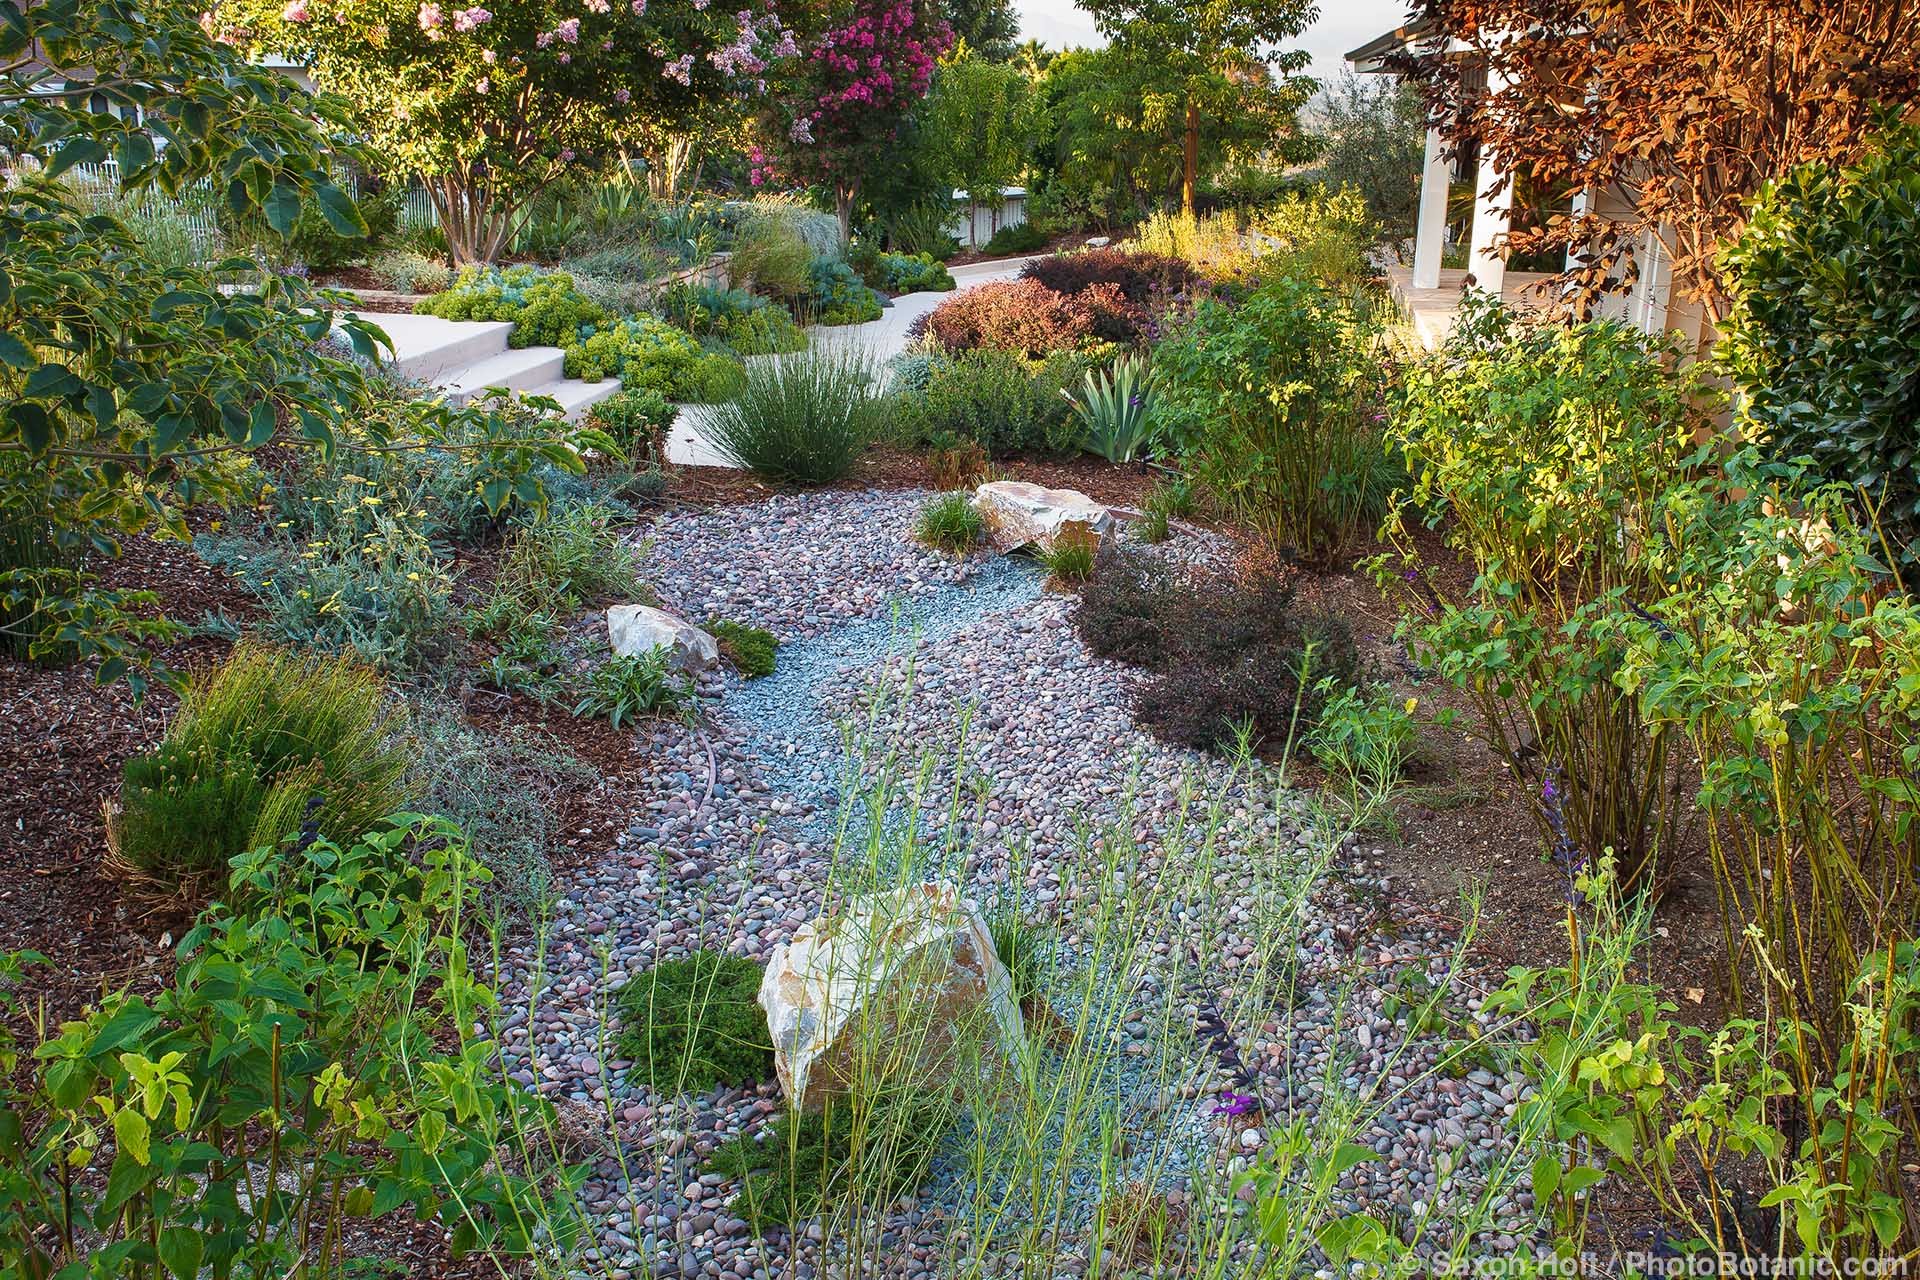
1116,408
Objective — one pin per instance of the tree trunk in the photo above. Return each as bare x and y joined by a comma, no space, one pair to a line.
1191,168
843,197
973,220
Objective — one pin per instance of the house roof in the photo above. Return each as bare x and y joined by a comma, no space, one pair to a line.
1367,58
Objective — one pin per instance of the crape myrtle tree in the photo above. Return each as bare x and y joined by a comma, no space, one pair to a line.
490,105
128,387
1686,107
849,92
1211,59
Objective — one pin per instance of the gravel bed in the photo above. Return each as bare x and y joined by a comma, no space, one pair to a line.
965,678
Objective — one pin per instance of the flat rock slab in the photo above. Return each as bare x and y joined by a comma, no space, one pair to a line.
1019,514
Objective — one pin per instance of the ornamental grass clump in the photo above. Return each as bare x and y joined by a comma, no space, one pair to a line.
951,523
802,419
752,650
265,744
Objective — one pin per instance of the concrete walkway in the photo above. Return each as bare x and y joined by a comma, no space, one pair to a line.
879,340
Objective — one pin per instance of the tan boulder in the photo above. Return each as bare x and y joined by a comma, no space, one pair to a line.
1020,514
634,629
908,977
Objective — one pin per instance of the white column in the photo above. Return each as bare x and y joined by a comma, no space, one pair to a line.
1490,214
1430,231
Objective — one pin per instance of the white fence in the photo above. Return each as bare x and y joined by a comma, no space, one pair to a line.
99,186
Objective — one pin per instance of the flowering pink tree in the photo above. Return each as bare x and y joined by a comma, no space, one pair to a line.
489,102
848,93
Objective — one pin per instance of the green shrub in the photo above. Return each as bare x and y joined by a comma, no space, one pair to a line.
324,1041
752,650
806,1161
1549,449
801,419
695,1024
771,256
570,555
641,684
912,273
32,561
545,308
951,523
409,272
997,400
637,420
1316,235
1023,237
647,353
745,322
315,242
836,294
1825,289
1272,407
262,745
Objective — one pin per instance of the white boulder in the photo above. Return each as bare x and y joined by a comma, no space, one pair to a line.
634,629
913,965
1020,514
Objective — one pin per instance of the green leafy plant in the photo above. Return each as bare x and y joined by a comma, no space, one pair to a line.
997,400
1116,407
570,555
640,684
545,308
638,421
263,744
647,353
1824,281
409,272
311,1062
802,419
952,523
752,650
1363,737
1021,237
694,1024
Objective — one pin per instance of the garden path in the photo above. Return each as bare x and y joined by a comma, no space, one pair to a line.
1012,753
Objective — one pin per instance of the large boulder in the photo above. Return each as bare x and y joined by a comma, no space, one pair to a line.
914,965
1020,514
634,629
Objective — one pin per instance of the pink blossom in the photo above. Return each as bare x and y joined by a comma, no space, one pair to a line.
489,57
565,58
566,156
430,17
296,11
569,30
482,84
680,69
622,96
468,19
639,8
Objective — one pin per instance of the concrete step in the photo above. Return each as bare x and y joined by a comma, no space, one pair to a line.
575,396
512,370
429,349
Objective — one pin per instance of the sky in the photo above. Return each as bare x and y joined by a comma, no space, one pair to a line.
1343,25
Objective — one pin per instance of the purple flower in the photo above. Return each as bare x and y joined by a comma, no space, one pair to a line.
1235,1104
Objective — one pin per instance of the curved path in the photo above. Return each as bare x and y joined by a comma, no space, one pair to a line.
880,340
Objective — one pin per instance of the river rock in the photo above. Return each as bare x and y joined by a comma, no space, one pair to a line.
1020,514
915,961
637,628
